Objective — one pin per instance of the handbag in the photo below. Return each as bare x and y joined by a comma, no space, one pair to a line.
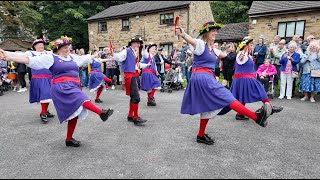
315,73
294,74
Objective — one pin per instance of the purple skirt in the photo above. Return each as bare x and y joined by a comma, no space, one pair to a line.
67,98
203,94
95,80
248,90
149,81
39,90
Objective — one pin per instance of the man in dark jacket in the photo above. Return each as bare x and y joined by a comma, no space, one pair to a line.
22,71
160,62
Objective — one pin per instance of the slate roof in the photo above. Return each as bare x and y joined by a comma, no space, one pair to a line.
15,45
263,8
139,7
233,32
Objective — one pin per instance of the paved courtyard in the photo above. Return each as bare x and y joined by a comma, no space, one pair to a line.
165,148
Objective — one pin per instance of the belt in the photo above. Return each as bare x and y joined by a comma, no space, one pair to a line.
65,79
245,75
204,70
94,71
38,76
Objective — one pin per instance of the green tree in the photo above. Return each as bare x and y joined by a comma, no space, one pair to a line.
231,11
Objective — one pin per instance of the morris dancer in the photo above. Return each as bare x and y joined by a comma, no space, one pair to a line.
204,95
149,78
129,59
97,78
70,102
40,80
245,87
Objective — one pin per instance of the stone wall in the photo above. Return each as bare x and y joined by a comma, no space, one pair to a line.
149,26
268,26
200,13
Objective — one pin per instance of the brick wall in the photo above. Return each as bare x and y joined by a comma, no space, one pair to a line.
267,26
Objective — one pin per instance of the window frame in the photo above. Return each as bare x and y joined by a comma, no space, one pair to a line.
100,27
125,28
165,20
295,28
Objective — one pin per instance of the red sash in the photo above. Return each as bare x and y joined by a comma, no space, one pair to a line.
148,70
39,76
65,79
201,69
246,75
94,71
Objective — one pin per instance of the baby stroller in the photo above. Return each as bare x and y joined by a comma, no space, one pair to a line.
173,80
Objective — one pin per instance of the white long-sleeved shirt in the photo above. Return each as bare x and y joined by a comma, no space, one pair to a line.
122,56
27,53
45,61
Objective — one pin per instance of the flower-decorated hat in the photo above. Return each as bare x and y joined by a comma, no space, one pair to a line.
210,25
135,39
58,43
37,41
245,41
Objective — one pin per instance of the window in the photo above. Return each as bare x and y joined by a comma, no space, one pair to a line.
125,24
287,29
166,19
167,46
102,26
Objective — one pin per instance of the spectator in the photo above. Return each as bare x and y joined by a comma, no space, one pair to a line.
189,61
22,71
174,53
111,66
160,61
84,71
228,59
265,73
184,49
217,51
288,61
259,52
310,83
276,53
273,46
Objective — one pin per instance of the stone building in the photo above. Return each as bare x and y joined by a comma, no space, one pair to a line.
285,18
153,20
15,45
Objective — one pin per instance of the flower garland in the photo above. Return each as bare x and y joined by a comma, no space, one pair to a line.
207,26
55,44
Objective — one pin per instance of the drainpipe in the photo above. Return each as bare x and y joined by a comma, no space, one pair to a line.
188,22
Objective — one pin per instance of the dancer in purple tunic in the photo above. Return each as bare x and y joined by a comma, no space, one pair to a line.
204,95
97,78
245,87
40,80
149,79
70,102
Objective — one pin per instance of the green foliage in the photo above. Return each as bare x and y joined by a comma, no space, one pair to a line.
231,11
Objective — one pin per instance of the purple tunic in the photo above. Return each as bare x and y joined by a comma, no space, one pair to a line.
39,87
149,80
67,96
204,93
247,90
96,78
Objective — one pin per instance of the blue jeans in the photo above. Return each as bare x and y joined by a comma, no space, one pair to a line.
84,77
188,74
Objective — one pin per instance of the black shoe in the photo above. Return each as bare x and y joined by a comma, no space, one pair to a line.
241,117
213,140
151,102
276,109
130,119
49,115
105,114
98,101
43,118
205,139
139,121
73,143
262,114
